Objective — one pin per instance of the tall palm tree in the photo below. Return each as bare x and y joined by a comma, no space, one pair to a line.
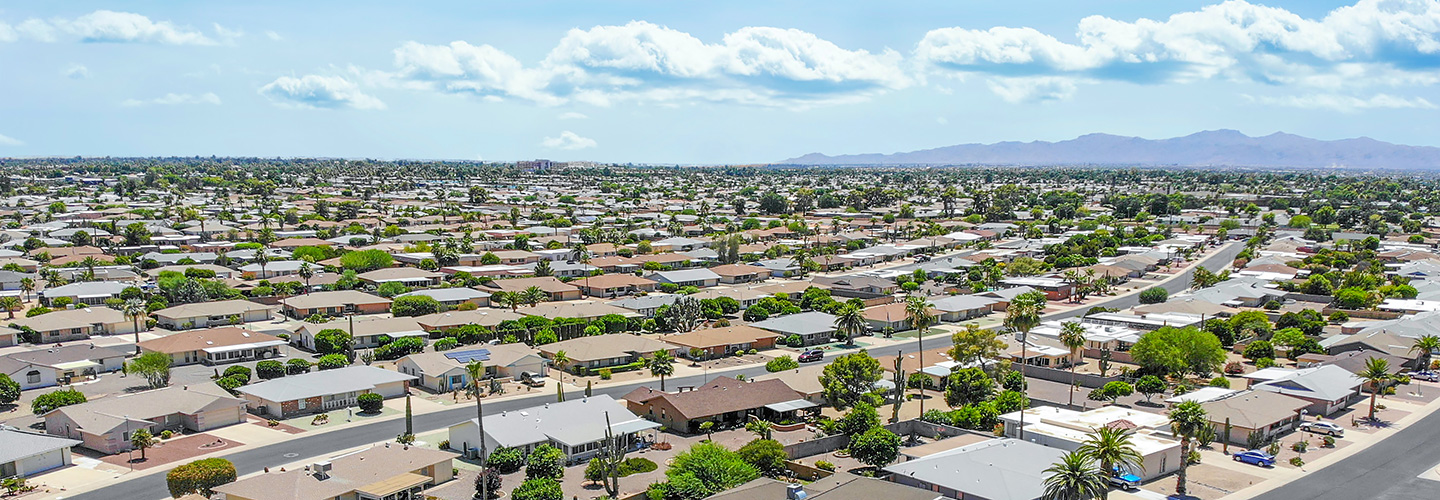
1187,420
261,258
1022,315
661,364
1377,372
917,308
27,285
90,262
134,309
1072,334
1111,448
476,370
1425,345
560,359
1074,477
851,323
306,272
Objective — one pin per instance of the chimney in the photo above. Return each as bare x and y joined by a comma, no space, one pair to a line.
795,491
321,470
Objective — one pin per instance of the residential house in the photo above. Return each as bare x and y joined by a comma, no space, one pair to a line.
105,425
889,317
85,292
321,391
740,273
995,469
215,345
601,351
1269,414
445,371
724,400
365,331
962,307
699,278
579,309
389,471
614,285
209,314
647,305
272,269
1054,288
711,343
488,318
556,289
577,427
834,487
335,303
26,453
804,380
1069,429
409,276
61,365
856,286
453,297
516,257
1329,389
812,327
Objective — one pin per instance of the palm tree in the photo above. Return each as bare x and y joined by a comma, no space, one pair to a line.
511,300
533,296
1187,420
142,439
27,285
1112,449
662,365
560,359
306,272
1022,315
134,308
851,323
1072,334
1377,372
90,262
10,303
476,370
918,309
1425,344
261,258
1074,477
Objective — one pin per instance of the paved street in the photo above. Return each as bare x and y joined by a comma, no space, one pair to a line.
253,460
1387,470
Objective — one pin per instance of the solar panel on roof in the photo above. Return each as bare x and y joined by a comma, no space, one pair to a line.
469,355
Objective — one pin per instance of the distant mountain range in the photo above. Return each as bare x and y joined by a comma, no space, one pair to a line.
1209,148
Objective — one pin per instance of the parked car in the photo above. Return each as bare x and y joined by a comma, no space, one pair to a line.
532,379
1323,428
1124,480
811,355
1255,457
1426,376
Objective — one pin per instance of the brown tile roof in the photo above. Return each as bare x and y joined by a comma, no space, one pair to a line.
1254,409
722,395
546,283
347,474
738,270
195,340
716,337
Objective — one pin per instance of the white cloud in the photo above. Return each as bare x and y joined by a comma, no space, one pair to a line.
1234,40
644,62
110,26
77,71
273,36
316,91
1345,103
6,140
227,34
172,99
572,115
1032,89
568,140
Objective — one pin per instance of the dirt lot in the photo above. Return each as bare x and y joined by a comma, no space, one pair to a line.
1205,481
171,451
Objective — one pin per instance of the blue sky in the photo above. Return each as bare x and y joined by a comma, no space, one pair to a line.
699,82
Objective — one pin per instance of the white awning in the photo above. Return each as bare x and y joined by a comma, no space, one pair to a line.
238,347
792,405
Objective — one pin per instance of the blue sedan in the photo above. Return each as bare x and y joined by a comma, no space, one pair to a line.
1255,457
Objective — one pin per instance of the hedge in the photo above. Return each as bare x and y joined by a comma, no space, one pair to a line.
199,476
370,402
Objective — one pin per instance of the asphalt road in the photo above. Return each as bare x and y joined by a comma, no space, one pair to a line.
1387,470
253,460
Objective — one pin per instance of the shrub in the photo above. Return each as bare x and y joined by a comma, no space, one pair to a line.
767,455
446,344
1297,461
370,402
825,466
240,373
1263,363
636,465
333,361
166,434
1234,368
199,476
270,369
9,389
297,366
781,364
605,374
1300,446
507,460
50,401
1339,317
538,489
545,462
492,482
332,341
877,447
414,305
1154,295
230,384
399,348
1259,349
1220,382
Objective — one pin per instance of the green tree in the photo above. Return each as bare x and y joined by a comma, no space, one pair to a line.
9,390
968,386
154,366
543,488
766,455
142,440
1075,477
858,420
55,399
661,364
1072,335
850,378
1150,385
706,469
1426,345
877,447
414,305
366,260
1375,374
1177,350
333,341
975,345
545,461
850,322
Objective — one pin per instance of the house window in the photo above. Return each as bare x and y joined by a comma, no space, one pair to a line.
33,377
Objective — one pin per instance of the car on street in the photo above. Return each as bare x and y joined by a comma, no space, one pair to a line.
1255,457
1323,428
811,355
1426,376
